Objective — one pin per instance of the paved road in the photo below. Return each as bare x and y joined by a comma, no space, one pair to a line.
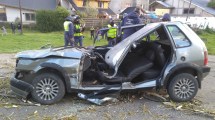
207,93
136,108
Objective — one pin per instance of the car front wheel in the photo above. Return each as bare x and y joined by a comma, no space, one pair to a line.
183,87
48,88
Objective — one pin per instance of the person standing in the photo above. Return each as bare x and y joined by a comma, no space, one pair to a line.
19,27
111,34
4,31
68,32
92,32
132,18
78,29
13,28
166,17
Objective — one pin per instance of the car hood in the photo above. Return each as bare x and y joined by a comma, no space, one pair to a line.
60,52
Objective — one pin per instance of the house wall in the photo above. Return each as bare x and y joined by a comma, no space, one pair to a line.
92,3
67,5
179,6
13,13
161,12
2,13
197,22
119,5
79,3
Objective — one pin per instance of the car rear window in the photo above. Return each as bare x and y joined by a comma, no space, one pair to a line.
178,36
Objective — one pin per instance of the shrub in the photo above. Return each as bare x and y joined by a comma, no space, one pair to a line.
211,4
209,30
81,14
48,20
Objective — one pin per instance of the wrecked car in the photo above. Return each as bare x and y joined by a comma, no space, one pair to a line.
160,55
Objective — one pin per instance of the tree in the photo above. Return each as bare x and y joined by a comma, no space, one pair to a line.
48,20
212,4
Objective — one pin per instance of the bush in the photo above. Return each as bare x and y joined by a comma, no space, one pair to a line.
48,20
199,31
209,30
211,4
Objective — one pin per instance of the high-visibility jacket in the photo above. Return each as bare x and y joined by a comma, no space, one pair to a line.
112,31
78,30
92,28
66,25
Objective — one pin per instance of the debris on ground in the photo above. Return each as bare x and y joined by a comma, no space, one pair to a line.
154,97
107,116
71,117
89,109
155,116
194,106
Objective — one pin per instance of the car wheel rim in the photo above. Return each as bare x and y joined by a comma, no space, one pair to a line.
47,89
184,88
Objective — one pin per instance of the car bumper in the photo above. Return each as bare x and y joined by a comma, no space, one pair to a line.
205,71
20,87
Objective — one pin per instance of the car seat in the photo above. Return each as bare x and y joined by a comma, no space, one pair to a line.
132,68
159,63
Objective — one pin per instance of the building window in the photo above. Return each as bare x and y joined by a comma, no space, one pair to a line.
100,4
3,14
30,17
191,11
84,3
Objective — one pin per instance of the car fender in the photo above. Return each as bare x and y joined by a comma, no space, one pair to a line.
184,68
62,72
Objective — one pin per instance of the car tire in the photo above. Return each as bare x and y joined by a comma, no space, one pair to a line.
48,88
183,87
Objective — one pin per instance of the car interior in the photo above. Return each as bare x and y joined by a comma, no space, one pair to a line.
145,61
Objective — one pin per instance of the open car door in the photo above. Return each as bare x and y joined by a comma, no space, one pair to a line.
116,54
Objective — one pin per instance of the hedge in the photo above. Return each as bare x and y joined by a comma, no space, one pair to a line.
49,20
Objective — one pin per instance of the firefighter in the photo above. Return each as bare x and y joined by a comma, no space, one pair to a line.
68,32
119,31
78,29
166,17
132,18
112,34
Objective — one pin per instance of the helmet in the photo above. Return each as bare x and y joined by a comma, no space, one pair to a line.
137,10
124,15
76,17
68,18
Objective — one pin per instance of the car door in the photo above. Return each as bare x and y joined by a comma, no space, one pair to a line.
116,54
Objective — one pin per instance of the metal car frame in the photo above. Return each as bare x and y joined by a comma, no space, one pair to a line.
69,64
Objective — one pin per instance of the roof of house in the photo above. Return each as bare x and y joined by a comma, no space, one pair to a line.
166,5
203,5
128,10
31,4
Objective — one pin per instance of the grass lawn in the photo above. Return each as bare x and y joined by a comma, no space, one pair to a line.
34,40
209,42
